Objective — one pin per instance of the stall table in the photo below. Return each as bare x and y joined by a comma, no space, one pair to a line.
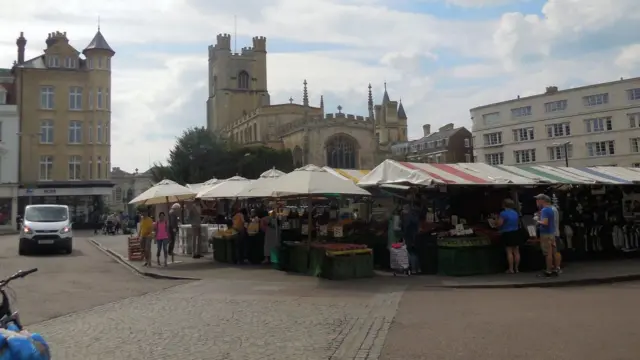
466,256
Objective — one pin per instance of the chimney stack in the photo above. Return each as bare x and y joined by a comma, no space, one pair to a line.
426,129
22,43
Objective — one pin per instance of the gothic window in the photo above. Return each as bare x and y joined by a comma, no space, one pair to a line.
243,80
297,157
341,152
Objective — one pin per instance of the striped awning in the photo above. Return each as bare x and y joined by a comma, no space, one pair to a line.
397,172
348,174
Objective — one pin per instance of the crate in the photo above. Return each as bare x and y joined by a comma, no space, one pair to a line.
134,249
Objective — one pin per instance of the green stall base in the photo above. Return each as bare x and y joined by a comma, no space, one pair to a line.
470,260
363,266
338,267
230,248
316,259
220,250
299,259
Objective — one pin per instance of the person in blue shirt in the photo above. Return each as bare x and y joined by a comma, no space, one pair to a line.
508,225
546,223
22,345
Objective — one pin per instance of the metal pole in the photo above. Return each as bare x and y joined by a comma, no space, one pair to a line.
566,154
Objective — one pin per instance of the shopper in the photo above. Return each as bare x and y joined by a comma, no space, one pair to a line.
161,231
174,222
545,220
269,225
557,259
238,223
196,227
145,233
508,225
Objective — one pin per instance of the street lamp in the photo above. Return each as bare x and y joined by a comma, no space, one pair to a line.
565,146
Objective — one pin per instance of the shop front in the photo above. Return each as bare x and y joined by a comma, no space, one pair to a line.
85,200
8,207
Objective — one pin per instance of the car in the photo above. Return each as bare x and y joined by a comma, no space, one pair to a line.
46,227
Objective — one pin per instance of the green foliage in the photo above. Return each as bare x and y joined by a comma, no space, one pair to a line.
198,156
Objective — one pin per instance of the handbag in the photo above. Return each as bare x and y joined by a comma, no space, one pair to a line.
523,233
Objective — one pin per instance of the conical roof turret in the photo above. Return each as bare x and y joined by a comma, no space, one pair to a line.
99,43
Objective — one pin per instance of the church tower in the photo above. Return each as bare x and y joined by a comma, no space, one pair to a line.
237,82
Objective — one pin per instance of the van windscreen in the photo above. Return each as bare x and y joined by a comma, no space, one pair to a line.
46,214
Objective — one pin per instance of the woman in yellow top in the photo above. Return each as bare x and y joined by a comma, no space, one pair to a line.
238,222
146,233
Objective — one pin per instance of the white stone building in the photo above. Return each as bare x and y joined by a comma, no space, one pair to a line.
9,153
597,124
126,187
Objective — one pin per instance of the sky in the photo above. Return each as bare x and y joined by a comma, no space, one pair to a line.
440,57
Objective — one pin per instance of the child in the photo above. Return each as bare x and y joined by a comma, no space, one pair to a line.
162,237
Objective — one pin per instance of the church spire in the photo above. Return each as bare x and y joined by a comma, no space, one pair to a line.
385,97
305,94
371,114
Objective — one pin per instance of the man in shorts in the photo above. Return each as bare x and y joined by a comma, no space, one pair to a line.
547,227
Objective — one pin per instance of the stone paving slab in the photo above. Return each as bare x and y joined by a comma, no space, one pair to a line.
220,319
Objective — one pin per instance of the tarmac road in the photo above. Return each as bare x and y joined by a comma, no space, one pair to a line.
598,322
66,284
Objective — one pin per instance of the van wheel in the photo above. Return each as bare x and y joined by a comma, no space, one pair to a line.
22,249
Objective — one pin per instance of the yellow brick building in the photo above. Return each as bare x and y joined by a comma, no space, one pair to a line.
64,105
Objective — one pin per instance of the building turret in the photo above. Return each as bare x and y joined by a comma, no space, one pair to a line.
98,43
305,94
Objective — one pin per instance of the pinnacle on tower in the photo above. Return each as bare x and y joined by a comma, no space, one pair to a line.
370,99
305,94
385,97
401,113
321,101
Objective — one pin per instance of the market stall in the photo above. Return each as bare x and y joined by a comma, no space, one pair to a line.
305,183
440,194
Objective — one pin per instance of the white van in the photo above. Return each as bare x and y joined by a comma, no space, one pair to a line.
46,226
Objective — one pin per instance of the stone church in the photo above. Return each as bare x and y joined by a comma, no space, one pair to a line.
239,108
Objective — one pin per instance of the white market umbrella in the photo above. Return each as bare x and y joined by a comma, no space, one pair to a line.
165,191
227,189
200,186
308,180
272,173
261,187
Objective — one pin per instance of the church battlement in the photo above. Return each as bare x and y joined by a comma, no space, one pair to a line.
340,116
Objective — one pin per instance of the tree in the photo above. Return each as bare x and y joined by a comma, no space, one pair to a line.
199,156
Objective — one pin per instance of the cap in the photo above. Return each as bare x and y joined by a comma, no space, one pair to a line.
542,197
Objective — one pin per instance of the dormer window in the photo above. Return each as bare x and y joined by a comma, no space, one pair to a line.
53,61
70,63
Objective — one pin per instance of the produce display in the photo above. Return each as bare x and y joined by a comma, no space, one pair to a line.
464,241
224,234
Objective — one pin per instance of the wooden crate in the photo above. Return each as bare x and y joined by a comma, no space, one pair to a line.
134,249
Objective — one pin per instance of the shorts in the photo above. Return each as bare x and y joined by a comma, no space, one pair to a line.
512,238
547,244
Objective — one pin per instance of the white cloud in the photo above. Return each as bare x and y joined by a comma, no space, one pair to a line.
156,94
629,57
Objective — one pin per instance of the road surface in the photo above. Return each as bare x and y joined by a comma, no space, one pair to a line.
66,284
